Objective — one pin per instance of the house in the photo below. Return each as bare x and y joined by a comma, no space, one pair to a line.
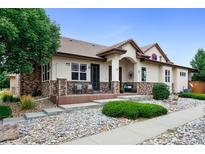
81,67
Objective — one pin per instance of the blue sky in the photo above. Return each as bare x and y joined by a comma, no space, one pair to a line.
179,32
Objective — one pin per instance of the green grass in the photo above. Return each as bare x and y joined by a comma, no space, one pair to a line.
132,110
192,95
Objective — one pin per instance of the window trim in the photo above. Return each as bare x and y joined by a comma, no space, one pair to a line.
144,74
46,69
167,76
79,71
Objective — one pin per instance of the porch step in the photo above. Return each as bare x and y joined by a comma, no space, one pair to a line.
71,107
53,111
136,97
33,115
7,121
103,101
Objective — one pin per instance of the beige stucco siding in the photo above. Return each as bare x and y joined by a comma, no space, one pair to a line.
180,82
61,68
152,72
156,51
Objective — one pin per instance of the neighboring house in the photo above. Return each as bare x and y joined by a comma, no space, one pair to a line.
93,68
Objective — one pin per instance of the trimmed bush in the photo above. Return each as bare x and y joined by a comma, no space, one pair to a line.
26,102
5,111
132,110
160,91
192,95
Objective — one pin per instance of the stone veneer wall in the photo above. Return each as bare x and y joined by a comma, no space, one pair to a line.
61,87
104,87
71,84
30,82
115,87
144,88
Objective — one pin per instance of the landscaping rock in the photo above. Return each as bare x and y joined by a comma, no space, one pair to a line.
16,120
191,133
53,111
8,132
34,115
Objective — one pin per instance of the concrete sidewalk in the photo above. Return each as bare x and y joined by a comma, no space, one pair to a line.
136,133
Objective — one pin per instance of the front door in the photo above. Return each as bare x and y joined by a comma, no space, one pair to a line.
95,76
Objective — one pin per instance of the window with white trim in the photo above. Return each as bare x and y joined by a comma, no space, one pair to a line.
144,74
167,75
45,69
183,74
78,71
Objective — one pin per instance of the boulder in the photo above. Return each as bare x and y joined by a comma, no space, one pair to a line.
8,132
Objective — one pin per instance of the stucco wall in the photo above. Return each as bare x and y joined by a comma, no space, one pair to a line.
61,68
156,51
153,72
180,82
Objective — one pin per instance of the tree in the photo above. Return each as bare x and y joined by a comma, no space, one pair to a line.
4,81
198,62
27,38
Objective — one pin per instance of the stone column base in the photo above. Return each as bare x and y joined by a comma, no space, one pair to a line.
115,87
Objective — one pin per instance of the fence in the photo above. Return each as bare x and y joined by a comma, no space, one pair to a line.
197,87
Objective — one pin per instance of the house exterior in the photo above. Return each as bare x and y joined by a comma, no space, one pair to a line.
102,69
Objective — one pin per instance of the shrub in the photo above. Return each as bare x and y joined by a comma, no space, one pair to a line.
192,95
26,102
6,96
132,110
5,111
160,91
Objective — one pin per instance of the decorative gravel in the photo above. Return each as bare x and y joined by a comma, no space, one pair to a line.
191,133
65,127
180,104
39,106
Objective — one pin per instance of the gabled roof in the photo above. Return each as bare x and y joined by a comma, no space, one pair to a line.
149,46
118,47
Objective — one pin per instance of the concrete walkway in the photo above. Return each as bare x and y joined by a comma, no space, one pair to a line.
138,132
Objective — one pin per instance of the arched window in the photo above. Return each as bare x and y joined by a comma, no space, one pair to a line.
154,56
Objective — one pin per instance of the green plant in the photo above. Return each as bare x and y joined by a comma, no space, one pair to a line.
28,38
26,102
132,110
198,63
160,91
6,96
192,95
5,111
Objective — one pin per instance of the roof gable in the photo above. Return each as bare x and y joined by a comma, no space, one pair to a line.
150,46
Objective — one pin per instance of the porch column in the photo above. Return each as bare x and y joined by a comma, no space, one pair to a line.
135,72
115,76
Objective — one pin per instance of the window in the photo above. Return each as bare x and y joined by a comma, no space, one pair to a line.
167,75
144,73
160,58
154,56
183,74
78,71
45,72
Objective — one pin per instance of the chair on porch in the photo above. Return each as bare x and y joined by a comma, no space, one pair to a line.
128,87
89,89
78,88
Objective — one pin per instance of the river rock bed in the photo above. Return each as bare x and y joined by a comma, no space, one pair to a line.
65,127
192,133
177,105
58,129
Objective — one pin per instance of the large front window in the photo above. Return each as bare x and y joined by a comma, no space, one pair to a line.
144,73
167,75
79,71
46,72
